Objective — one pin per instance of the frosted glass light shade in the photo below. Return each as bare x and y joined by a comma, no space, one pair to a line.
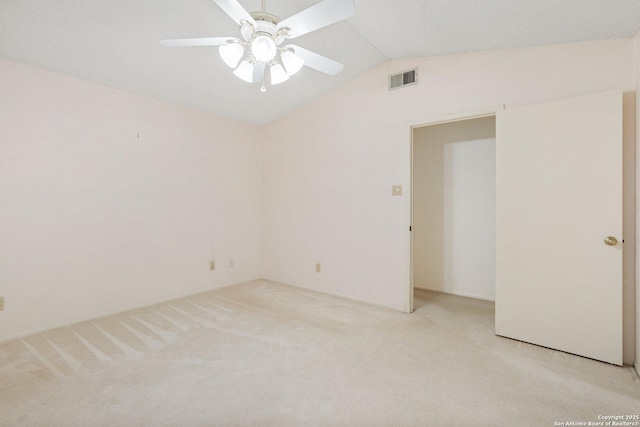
292,62
245,71
263,48
278,75
231,54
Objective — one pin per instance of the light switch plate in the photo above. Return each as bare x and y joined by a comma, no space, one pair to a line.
396,190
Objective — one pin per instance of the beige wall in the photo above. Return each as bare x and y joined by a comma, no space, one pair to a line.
637,294
628,227
111,200
328,167
454,207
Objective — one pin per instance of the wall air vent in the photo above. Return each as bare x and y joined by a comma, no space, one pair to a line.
406,78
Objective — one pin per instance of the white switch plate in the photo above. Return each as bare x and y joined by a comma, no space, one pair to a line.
396,190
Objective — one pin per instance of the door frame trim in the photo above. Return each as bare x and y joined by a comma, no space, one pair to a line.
410,126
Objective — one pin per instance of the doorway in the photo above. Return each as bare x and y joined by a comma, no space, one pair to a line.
453,207
561,221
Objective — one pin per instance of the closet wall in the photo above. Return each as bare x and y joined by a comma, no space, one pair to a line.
637,271
454,207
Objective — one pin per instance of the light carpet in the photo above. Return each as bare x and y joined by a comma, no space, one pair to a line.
264,354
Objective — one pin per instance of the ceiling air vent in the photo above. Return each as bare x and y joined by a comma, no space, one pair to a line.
403,79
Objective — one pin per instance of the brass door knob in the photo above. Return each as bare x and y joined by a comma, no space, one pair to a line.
610,241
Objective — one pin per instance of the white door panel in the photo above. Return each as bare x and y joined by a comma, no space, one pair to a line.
558,196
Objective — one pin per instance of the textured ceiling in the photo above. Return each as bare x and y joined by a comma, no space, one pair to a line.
115,42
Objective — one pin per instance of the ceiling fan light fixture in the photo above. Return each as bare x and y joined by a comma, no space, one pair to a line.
261,37
292,62
245,71
263,48
278,74
231,53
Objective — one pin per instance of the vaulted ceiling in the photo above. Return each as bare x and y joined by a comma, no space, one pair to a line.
116,43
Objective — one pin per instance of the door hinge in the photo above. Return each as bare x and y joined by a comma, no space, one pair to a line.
409,228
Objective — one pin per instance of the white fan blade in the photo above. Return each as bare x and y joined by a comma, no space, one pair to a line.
320,15
235,11
258,71
317,62
207,41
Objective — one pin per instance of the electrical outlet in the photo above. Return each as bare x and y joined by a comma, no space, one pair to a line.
232,263
212,265
318,267
1,303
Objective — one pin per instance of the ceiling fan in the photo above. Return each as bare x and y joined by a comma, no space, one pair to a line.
260,51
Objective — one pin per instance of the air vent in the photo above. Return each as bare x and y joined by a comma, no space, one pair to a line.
403,79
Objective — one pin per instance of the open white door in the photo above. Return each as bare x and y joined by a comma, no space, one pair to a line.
558,197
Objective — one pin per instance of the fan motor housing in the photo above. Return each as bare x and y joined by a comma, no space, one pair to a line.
264,16
266,23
